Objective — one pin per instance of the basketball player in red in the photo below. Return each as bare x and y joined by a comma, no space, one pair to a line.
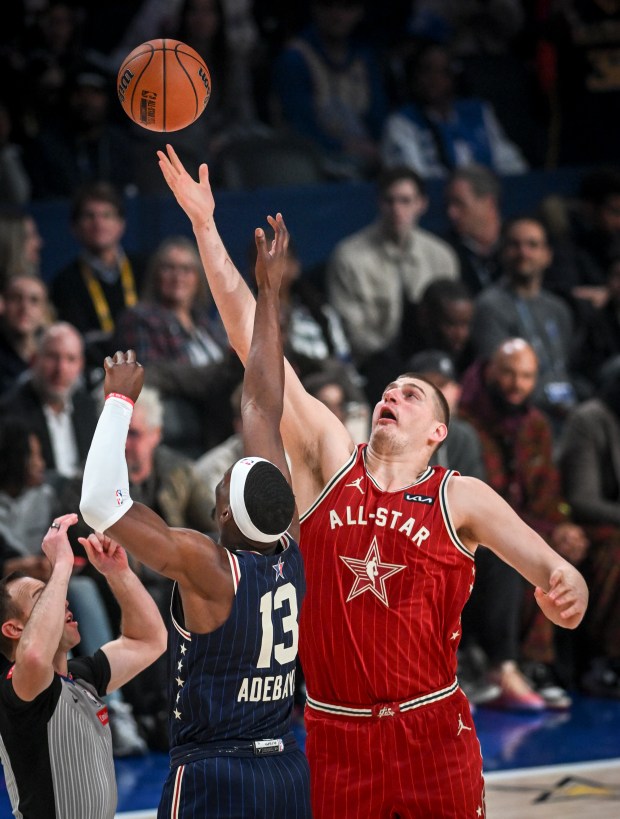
388,545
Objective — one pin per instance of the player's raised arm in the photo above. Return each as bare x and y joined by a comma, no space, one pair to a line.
106,504
235,302
315,440
262,399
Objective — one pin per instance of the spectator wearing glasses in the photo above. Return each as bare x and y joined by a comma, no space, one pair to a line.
173,331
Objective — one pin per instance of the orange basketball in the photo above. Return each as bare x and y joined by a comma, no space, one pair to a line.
164,85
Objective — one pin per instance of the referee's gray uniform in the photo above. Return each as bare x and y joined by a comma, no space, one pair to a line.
57,749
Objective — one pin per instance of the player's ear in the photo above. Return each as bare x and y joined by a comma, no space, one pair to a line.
440,433
12,629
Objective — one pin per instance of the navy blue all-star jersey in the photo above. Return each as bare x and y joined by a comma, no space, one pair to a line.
231,698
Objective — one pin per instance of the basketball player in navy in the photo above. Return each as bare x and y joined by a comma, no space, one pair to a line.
235,605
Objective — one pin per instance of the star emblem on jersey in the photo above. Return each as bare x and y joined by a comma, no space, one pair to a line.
370,573
279,569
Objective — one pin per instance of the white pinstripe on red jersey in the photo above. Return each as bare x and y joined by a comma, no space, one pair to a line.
387,578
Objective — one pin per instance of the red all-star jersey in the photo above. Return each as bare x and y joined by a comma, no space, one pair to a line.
387,579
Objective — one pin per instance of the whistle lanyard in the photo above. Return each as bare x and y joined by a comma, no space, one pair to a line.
97,296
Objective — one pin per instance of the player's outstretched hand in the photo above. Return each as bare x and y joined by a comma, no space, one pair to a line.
271,261
123,375
196,198
106,555
566,601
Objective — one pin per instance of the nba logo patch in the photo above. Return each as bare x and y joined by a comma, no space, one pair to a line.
119,497
103,716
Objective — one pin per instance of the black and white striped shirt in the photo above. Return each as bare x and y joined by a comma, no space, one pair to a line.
57,749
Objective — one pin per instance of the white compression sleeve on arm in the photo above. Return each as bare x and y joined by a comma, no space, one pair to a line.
105,485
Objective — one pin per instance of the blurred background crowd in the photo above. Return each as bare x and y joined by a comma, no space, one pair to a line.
433,105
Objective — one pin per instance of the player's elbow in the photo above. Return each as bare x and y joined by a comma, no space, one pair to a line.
160,642
88,511
101,511
90,506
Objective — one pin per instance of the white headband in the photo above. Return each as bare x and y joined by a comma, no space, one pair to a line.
238,477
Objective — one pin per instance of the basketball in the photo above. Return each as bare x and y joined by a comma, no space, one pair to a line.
163,85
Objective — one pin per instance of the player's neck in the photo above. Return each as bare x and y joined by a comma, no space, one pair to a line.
394,471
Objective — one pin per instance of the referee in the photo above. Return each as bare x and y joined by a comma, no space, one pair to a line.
55,740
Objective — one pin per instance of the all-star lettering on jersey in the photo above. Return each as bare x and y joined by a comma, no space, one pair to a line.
389,577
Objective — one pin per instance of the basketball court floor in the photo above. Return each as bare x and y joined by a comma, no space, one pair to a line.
559,765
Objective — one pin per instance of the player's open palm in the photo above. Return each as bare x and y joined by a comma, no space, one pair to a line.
271,261
565,602
196,198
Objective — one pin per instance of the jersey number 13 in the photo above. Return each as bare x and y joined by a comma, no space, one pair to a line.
270,603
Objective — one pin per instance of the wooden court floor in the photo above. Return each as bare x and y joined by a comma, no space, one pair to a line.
584,790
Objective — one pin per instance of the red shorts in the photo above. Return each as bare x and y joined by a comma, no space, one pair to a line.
422,763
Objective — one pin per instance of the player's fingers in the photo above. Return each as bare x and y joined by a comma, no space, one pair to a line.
556,577
112,547
572,611
91,544
555,583
131,356
119,357
203,174
260,239
174,159
568,596
281,232
167,173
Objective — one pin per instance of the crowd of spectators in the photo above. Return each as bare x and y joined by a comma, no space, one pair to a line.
435,86
518,321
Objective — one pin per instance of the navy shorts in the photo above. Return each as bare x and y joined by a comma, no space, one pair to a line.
238,788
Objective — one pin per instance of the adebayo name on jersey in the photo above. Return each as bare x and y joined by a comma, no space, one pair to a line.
268,688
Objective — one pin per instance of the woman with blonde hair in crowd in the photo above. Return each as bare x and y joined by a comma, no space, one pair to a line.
20,244
173,331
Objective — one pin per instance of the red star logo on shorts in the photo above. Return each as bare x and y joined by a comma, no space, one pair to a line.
370,573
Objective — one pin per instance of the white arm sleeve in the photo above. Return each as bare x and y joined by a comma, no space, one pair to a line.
105,486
